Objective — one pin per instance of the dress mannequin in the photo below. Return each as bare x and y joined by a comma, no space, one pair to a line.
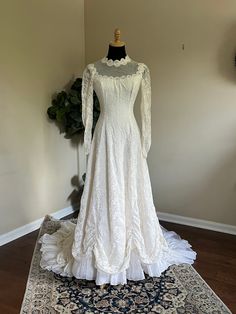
116,49
117,236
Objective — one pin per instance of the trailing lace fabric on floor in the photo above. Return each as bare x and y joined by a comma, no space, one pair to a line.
117,235
57,257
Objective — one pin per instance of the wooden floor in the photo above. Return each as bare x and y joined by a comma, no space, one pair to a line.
216,263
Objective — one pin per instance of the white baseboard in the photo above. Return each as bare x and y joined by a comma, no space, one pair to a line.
32,226
195,222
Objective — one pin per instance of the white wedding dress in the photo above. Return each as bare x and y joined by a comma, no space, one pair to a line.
117,235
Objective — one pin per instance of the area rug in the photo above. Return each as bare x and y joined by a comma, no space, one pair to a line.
180,289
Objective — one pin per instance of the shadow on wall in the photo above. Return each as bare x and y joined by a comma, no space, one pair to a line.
76,194
226,56
76,182
76,142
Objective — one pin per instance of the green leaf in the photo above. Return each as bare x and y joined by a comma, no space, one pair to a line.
67,110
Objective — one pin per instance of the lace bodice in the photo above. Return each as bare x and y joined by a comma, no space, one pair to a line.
120,79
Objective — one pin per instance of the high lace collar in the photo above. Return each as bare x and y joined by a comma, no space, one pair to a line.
117,62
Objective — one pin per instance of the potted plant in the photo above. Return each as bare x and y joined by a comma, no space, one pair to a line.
66,111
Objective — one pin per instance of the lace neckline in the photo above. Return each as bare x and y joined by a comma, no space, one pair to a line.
117,62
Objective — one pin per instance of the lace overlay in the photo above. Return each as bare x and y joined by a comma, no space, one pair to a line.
141,74
118,235
145,107
87,106
116,63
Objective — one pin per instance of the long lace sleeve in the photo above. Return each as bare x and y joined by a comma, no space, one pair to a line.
145,108
87,106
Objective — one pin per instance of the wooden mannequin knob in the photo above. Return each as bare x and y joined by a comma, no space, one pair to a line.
117,42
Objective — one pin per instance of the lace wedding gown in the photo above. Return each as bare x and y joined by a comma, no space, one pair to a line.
117,235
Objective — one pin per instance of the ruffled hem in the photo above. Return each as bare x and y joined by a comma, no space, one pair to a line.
57,257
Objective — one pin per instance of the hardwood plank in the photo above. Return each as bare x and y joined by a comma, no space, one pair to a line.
216,259
216,264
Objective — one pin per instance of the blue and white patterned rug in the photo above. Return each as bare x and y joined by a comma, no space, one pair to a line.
180,289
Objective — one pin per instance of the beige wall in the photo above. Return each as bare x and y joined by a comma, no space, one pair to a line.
192,160
42,48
